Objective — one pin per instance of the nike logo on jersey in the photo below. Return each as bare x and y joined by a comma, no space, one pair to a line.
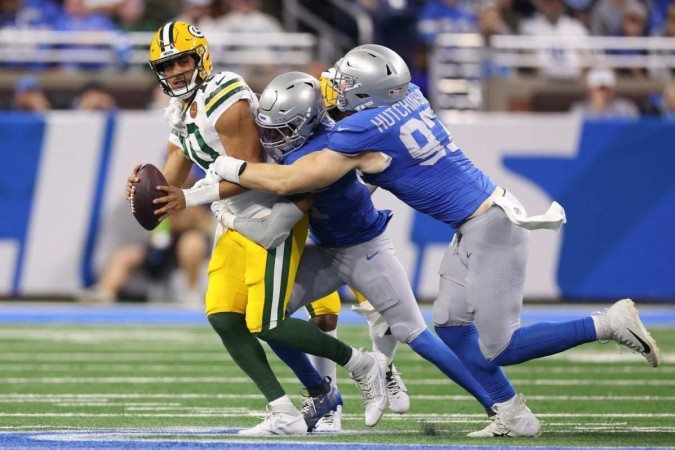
221,80
647,348
372,255
468,255
342,129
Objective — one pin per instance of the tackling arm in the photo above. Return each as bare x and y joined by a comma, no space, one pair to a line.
311,172
268,232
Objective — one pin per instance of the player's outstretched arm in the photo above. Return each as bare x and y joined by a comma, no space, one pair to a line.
311,172
269,232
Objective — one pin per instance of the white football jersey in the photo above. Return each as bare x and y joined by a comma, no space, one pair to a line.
201,144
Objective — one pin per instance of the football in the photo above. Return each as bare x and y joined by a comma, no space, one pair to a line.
141,201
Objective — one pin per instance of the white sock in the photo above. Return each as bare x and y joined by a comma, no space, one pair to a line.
358,362
325,366
600,328
384,344
285,405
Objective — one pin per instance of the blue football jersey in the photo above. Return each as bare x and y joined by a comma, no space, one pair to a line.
426,170
343,213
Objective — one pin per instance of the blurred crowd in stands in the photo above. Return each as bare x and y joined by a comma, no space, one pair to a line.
408,26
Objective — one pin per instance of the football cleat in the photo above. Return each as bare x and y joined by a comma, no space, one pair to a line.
314,408
512,419
285,421
371,382
330,423
621,323
397,394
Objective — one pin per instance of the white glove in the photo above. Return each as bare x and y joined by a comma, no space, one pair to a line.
374,318
329,74
228,168
173,114
223,214
210,178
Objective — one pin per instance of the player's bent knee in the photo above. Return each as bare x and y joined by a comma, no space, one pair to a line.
229,326
405,333
325,322
491,350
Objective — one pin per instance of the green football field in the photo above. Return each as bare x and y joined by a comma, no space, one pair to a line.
178,383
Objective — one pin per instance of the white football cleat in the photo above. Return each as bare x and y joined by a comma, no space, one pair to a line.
621,323
372,383
284,421
330,423
512,419
397,394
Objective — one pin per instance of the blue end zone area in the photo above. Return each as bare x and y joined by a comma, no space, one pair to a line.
209,439
47,313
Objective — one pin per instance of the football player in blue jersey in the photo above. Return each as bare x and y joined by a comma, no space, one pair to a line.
396,141
348,232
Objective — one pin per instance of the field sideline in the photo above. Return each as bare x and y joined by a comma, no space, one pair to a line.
137,377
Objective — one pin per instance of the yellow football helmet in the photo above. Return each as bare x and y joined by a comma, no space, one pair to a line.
329,93
172,41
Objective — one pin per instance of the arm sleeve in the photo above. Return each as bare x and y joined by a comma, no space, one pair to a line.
273,230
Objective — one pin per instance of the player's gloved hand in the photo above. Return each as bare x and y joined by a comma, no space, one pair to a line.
228,168
209,179
223,214
374,318
329,74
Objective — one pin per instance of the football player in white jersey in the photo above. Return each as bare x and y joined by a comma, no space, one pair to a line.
249,285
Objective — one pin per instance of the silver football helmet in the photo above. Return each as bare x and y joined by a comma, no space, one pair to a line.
290,108
370,75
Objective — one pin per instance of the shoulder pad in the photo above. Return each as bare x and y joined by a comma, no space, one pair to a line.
352,124
218,81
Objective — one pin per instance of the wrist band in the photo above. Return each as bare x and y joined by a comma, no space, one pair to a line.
201,195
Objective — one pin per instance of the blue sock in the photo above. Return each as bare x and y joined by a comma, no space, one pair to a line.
463,340
546,338
431,348
300,365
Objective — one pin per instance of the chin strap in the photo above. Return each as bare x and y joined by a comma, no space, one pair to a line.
174,114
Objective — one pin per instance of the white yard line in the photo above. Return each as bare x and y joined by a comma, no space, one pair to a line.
245,380
105,399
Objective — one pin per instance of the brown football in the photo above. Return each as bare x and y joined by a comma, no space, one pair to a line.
146,191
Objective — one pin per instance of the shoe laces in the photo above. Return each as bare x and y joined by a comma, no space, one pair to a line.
498,425
268,419
365,387
392,378
307,406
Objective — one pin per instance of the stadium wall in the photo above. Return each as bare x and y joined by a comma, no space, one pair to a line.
62,209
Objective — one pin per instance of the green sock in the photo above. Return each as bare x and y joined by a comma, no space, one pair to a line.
246,351
304,336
